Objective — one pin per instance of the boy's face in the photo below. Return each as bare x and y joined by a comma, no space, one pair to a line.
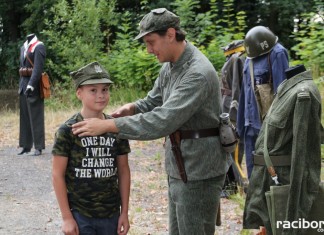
94,97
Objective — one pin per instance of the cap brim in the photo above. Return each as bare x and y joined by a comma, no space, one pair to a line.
139,36
96,81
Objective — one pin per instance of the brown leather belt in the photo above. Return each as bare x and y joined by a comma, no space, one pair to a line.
280,160
196,134
25,72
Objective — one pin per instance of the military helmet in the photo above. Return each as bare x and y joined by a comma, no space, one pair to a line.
258,41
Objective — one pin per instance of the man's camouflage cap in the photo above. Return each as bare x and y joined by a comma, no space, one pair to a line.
158,19
92,73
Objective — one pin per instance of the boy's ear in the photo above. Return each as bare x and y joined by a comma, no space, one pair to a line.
78,93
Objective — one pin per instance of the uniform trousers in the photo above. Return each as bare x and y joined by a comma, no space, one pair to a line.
32,128
250,136
193,205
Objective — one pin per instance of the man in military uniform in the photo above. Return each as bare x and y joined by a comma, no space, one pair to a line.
266,63
184,105
294,146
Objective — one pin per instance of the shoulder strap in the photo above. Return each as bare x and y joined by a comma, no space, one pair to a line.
251,73
270,68
33,45
32,64
267,159
31,49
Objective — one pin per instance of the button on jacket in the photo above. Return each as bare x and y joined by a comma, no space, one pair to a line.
293,129
185,96
248,114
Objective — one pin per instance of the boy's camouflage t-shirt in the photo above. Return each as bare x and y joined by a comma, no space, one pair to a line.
91,175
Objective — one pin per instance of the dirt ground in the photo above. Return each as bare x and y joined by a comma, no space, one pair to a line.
28,204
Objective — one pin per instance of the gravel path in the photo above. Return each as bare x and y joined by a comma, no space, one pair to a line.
28,204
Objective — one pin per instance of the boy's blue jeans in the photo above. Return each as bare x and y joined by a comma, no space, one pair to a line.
96,226
193,206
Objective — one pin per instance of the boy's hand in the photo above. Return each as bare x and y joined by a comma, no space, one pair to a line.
123,224
70,227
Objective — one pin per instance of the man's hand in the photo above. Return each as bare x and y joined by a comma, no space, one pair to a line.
94,127
125,110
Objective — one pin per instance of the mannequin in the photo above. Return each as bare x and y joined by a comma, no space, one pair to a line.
30,37
292,71
32,127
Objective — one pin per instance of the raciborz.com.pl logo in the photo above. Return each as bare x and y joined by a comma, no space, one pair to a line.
301,224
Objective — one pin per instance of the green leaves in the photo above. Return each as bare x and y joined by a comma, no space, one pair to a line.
310,43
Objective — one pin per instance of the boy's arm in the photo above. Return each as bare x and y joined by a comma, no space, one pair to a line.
58,178
124,188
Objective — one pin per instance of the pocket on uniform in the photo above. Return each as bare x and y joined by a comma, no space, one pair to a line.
277,129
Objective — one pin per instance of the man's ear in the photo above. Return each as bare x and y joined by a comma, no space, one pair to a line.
171,33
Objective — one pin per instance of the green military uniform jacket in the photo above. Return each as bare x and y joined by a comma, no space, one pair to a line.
293,129
185,96
231,82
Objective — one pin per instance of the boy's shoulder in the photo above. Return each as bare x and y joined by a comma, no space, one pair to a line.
72,120
67,125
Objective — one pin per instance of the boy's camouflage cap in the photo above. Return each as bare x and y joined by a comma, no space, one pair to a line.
158,19
92,73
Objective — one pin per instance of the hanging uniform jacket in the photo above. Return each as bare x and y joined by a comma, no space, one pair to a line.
248,114
231,82
294,127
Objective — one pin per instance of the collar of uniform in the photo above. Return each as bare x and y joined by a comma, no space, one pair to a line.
291,82
184,58
27,45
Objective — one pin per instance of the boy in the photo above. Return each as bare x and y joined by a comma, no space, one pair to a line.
91,175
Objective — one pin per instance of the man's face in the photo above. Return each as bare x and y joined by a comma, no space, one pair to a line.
159,46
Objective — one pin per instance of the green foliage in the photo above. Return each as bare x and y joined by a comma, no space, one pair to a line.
212,30
9,65
38,11
74,36
310,46
214,51
129,64
121,95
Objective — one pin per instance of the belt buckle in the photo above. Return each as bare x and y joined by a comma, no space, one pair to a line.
196,135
